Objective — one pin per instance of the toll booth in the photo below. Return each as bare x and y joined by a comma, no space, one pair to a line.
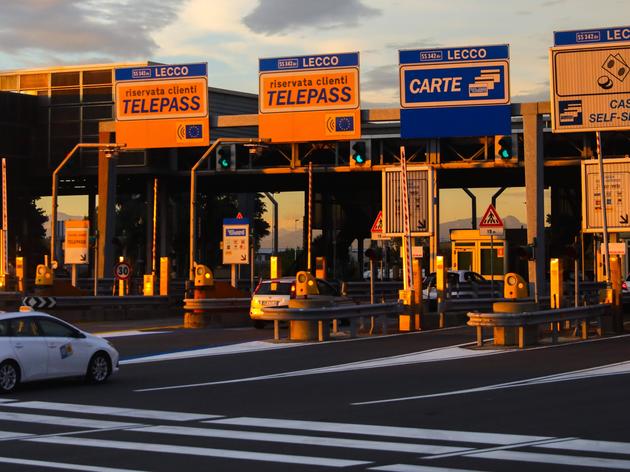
492,259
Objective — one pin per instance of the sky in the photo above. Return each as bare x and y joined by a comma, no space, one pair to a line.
231,35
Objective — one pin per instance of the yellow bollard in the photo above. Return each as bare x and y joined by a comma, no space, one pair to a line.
165,275
275,269
440,285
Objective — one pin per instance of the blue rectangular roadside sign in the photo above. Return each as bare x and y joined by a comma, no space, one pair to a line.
322,61
591,36
165,71
448,92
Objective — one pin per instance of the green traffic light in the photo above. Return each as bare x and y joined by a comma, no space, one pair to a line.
505,150
359,152
225,157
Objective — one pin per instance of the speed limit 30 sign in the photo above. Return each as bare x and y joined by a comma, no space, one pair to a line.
122,270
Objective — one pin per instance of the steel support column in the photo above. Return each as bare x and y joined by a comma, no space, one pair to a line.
534,191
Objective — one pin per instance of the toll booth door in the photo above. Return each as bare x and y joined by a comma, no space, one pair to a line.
464,259
492,261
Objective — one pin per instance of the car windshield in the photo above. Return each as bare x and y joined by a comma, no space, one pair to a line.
274,288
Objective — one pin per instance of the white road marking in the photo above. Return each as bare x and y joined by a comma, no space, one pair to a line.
253,346
7,400
62,465
10,435
431,355
64,421
303,440
608,447
112,411
200,451
618,368
376,430
581,461
129,332
417,468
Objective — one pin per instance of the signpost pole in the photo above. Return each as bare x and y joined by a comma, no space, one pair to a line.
5,222
602,185
310,216
492,265
407,261
74,275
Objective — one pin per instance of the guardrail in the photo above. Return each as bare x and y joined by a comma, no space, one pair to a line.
534,318
323,315
209,304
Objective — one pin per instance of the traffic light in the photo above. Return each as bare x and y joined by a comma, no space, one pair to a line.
360,155
504,150
527,253
226,158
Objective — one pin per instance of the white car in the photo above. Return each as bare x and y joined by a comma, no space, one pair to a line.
278,292
37,346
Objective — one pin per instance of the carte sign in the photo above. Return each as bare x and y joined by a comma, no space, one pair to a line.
162,106
455,92
235,241
617,196
76,241
309,98
590,80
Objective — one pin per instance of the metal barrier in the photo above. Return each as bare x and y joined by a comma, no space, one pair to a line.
323,315
212,304
534,318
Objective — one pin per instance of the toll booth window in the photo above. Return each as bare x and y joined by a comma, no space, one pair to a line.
488,265
274,288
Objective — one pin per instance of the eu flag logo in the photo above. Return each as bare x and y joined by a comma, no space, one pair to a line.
344,123
193,131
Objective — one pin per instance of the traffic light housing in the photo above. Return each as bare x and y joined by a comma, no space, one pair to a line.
504,152
360,153
203,276
226,158
527,253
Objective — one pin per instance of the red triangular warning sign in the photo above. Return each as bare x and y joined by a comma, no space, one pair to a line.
491,219
239,216
377,227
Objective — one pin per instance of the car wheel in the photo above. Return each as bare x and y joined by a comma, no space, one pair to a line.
9,376
98,368
259,324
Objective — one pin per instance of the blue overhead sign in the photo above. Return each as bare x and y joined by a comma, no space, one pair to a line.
591,36
322,61
455,92
171,71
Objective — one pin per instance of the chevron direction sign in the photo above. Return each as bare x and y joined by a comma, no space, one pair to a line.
39,302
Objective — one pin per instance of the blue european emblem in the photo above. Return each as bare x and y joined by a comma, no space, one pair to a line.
193,131
344,123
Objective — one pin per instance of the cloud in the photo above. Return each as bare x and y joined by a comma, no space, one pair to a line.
419,44
117,29
379,78
279,16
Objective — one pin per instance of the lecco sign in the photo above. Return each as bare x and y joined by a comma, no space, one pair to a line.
590,80
455,92
309,98
162,106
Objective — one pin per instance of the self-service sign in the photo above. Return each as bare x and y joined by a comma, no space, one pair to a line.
590,80
76,241
455,92
235,241
162,106
309,98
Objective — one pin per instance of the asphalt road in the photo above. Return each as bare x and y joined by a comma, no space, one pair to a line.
233,400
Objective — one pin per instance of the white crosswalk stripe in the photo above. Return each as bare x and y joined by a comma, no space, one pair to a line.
104,410
323,443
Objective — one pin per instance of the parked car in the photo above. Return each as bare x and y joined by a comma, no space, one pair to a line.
625,285
278,292
459,282
37,346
